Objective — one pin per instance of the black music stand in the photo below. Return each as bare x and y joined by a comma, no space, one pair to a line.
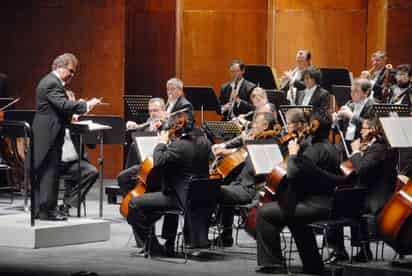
136,107
341,93
6,101
113,135
25,115
261,75
391,110
334,76
202,98
277,97
222,129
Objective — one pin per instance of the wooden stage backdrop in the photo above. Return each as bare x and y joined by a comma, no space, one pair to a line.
134,46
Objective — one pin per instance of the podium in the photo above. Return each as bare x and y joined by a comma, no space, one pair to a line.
103,130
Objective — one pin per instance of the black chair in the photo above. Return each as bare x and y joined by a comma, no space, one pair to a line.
6,184
346,210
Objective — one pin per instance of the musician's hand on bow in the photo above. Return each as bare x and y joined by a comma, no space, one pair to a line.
345,112
157,123
356,145
164,136
293,147
131,125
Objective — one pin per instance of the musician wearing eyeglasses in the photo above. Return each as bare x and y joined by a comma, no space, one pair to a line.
235,95
374,164
54,114
401,92
304,197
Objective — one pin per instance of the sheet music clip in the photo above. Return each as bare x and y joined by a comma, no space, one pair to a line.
265,157
223,129
392,110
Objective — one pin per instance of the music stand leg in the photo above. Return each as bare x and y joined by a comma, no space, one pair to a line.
101,161
79,175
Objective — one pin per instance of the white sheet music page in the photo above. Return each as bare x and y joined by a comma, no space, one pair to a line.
146,145
92,126
265,157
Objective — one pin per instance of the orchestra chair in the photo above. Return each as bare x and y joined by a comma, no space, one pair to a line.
6,187
372,235
342,214
199,187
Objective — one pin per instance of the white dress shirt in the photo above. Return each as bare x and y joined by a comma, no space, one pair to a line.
308,93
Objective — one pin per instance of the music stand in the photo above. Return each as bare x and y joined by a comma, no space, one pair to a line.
277,97
341,93
135,106
112,133
334,76
264,156
261,75
202,98
223,129
392,110
6,101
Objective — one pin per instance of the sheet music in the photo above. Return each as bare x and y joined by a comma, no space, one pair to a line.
265,157
398,131
146,145
92,126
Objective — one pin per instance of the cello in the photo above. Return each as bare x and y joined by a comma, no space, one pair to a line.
145,172
395,220
275,178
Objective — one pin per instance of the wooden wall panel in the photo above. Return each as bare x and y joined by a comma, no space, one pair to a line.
215,32
334,31
37,31
399,32
150,45
376,29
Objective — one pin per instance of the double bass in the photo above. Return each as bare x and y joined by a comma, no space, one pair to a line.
145,172
275,178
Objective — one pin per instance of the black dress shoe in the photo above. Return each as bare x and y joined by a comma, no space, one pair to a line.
64,210
337,256
273,269
223,240
362,256
52,216
198,246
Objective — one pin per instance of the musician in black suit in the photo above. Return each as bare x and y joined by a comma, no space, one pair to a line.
243,189
377,74
157,112
304,197
176,100
235,96
4,86
312,94
401,92
173,160
350,115
54,113
374,163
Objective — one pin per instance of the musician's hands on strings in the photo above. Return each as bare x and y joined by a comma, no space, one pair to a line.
345,112
356,145
293,147
164,136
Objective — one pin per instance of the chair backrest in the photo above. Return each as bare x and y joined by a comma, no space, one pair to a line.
15,129
203,191
348,202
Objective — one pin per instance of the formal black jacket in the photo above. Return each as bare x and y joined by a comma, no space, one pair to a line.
379,84
407,99
54,113
376,170
174,163
319,100
244,105
366,112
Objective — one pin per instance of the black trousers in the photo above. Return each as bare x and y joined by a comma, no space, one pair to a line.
144,212
271,219
231,195
47,188
127,178
89,176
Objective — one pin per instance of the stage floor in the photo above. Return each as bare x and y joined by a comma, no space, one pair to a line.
116,256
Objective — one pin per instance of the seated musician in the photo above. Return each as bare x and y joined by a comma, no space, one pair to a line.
243,189
312,94
401,92
175,97
292,80
377,74
260,103
375,169
174,160
235,95
296,121
68,167
350,115
304,197
127,178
